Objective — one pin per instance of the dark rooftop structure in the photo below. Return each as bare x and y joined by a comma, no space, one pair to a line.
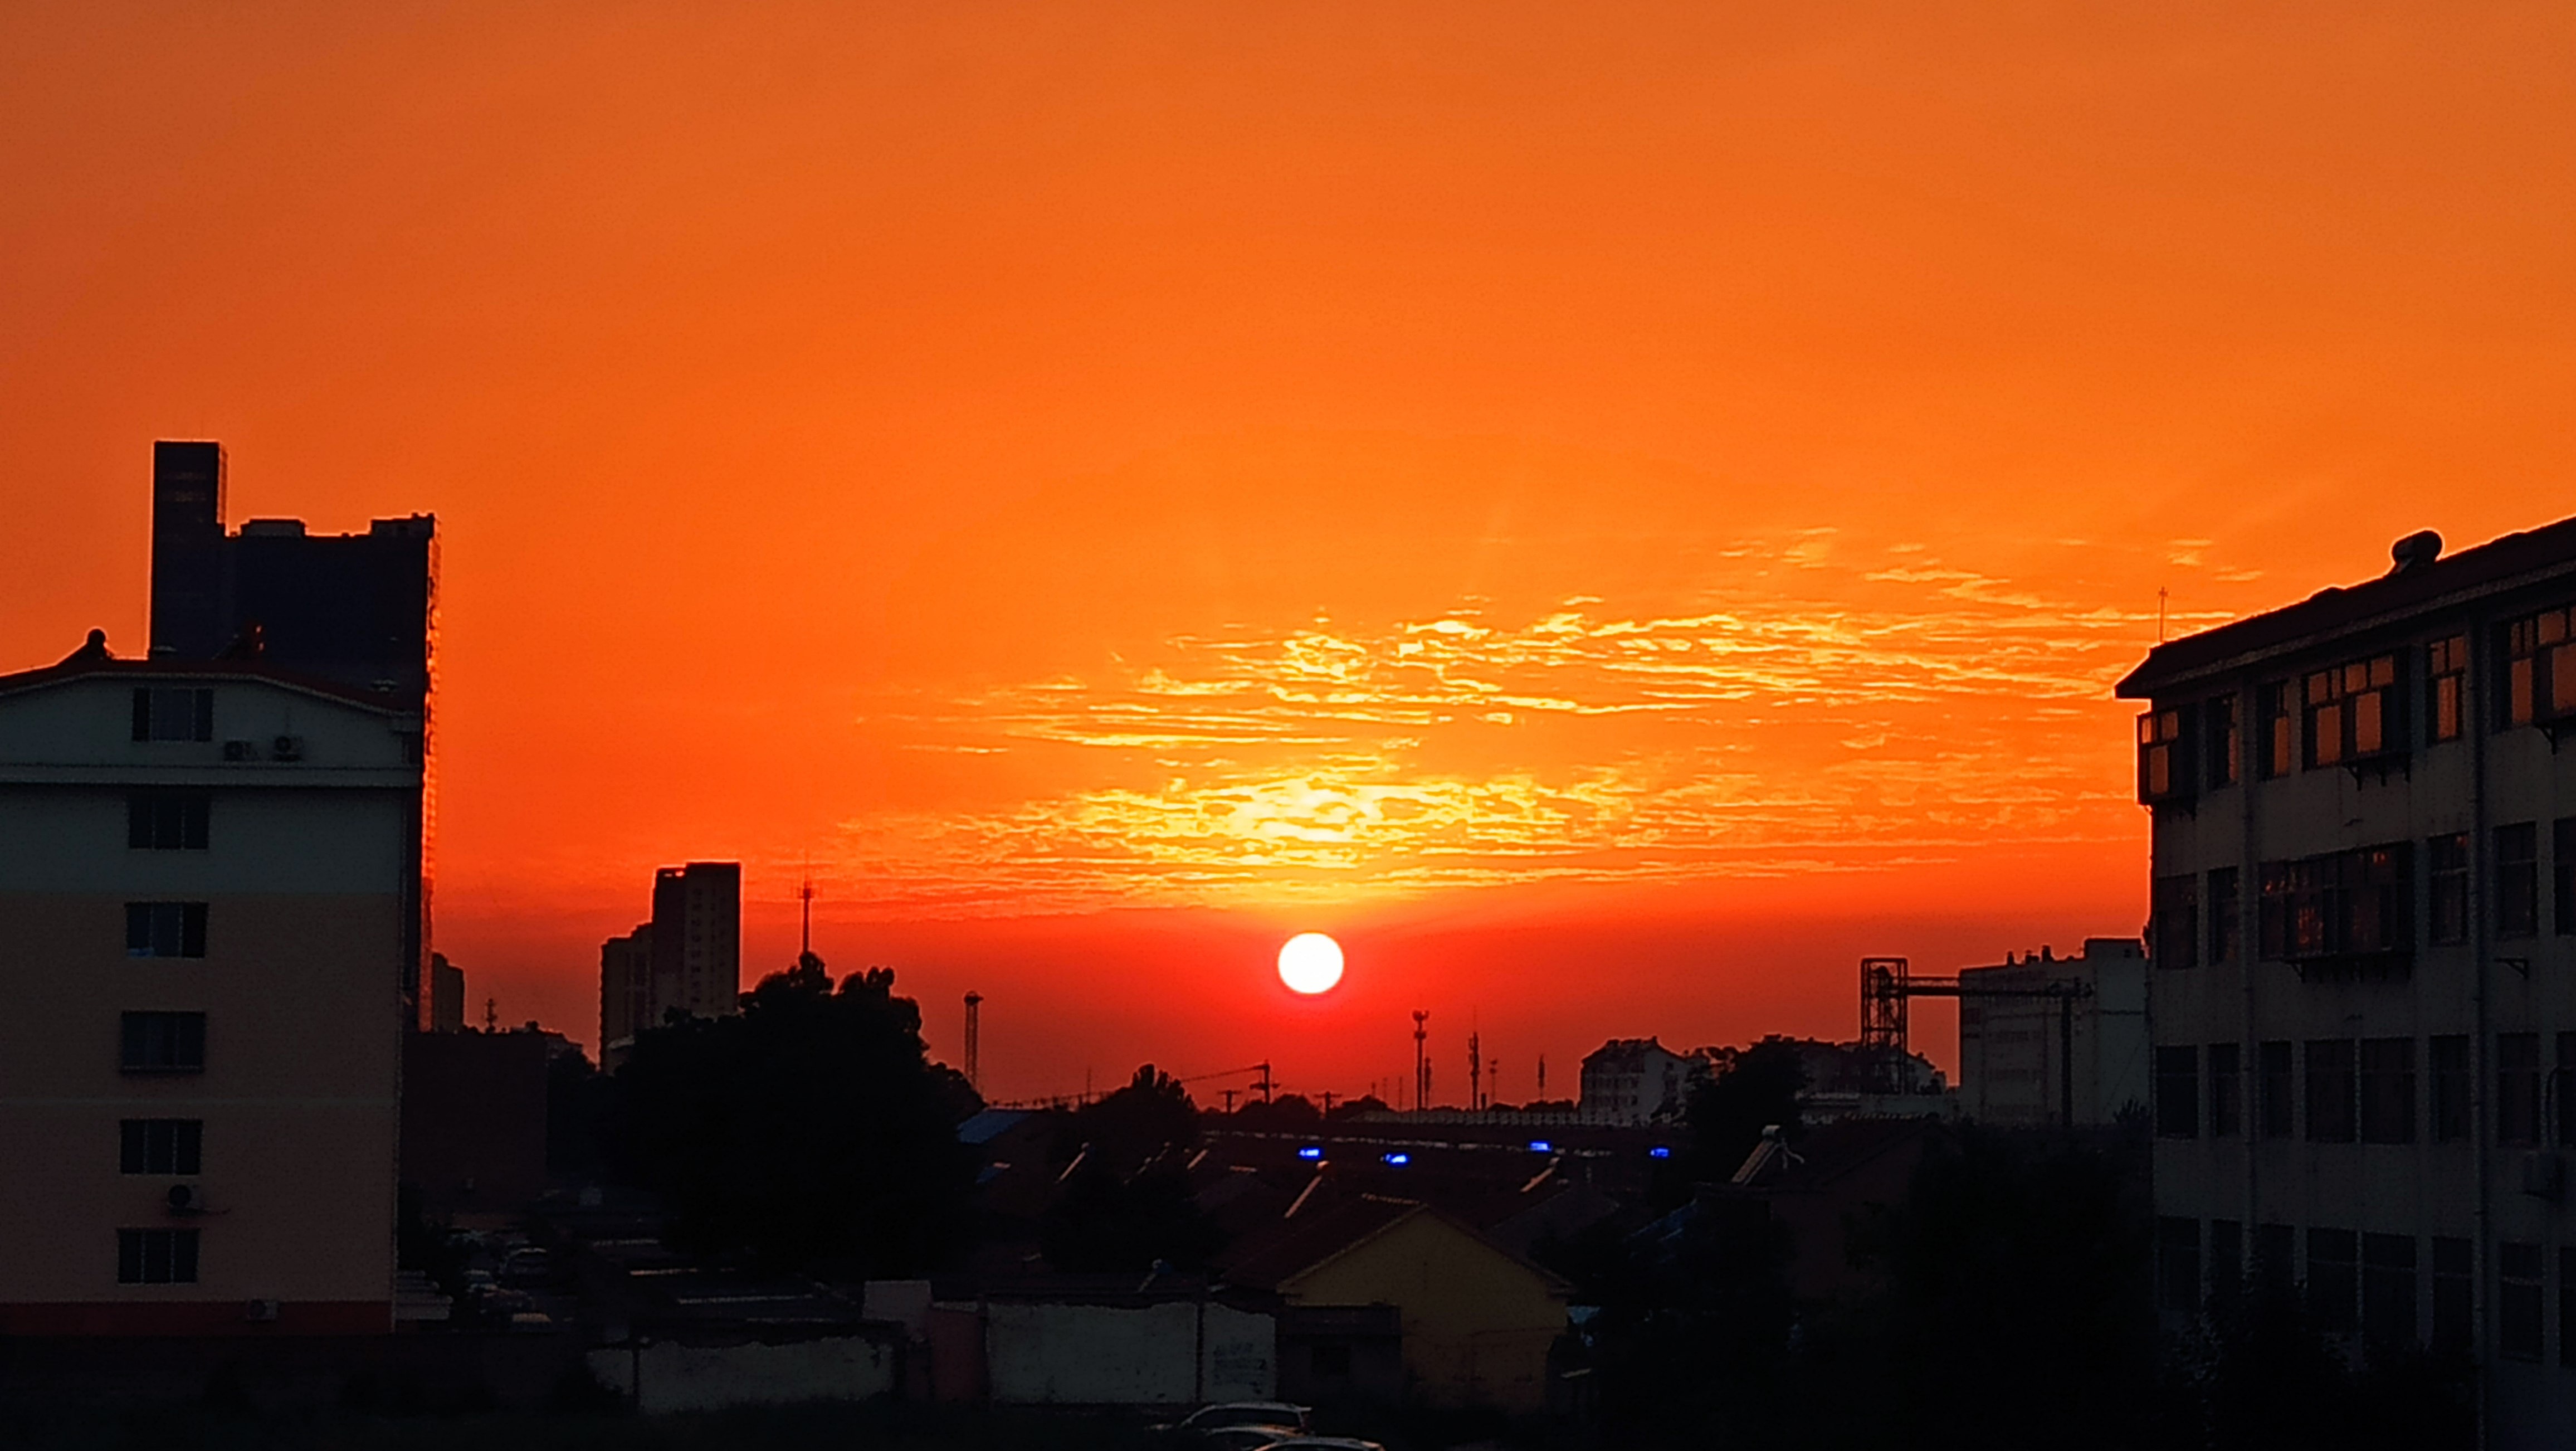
2420,580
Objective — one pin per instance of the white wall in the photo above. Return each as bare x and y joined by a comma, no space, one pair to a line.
676,1377
1107,1355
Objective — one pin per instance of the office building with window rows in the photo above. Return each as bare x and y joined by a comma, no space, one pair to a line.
2362,997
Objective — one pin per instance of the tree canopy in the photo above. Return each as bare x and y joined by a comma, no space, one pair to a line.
811,1130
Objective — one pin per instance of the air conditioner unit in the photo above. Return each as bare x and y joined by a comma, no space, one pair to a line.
287,748
2543,1175
241,750
264,1311
187,1199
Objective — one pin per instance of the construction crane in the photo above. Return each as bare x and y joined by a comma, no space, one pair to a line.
1887,984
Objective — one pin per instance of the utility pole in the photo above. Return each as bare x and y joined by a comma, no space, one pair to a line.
1265,1084
974,1029
1542,1076
1421,1061
1329,1095
1228,1094
1475,1073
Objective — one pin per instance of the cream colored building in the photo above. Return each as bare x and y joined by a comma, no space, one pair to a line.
2028,1060
206,871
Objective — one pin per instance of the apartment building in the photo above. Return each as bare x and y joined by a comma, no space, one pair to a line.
208,906
2363,984
1638,1081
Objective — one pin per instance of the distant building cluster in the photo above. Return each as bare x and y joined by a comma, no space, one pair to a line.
688,959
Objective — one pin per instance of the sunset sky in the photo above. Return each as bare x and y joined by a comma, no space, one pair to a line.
1613,511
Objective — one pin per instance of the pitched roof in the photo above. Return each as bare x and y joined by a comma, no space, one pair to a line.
2515,560
1295,1245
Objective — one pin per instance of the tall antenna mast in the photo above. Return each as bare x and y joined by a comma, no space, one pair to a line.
1475,1072
974,1043
1421,1061
805,897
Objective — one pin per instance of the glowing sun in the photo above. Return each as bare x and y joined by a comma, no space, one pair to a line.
1310,962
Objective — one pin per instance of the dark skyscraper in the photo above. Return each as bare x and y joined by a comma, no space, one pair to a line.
357,610
188,615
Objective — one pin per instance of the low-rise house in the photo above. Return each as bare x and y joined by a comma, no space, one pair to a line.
1477,1323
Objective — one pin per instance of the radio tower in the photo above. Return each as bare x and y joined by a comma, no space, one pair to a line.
974,1041
1421,1061
805,903
1475,1072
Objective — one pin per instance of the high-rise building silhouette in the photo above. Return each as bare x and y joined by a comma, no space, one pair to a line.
688,958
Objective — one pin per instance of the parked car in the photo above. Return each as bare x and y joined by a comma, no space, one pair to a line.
1278,1416
1323,1443
1240,1438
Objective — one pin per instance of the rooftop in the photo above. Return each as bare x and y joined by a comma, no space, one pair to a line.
2422,580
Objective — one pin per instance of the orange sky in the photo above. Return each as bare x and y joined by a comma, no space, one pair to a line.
1613,510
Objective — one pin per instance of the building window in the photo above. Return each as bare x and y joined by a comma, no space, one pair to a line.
2449,1061
2346,904
163,1043
2278,1104
2177,930
2448,884
2388,1288
2177,1091
2226,1092
165,929
2280,733
2333,1277
2517,880
167,820
2517,1088
2163,766
2218,729
2518,1271
2226,1261
173,715
2452,1272
160,1146
2275,1261
2348,715
156,1256
2562,873
2388,1091
2446,672
2178,1264
2331,1091
2223,907
2540,668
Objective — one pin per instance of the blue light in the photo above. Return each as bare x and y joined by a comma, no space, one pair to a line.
1398,1160
1541,1146
1659,1152
1310,1152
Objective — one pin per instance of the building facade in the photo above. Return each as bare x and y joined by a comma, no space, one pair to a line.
2030,1060
207,902
1637,1080
2363,985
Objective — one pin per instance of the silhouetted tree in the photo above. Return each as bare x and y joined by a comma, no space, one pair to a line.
808,1130
1353,1108
1152,1113
578,1102
1288,1114
1125,1201
2269,1378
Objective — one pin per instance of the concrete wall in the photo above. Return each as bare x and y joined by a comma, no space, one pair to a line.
669,1376
1181,1352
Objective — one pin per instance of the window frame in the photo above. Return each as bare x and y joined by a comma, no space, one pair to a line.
2446,696
170,1148
155,1041
165,930
178,1255
173,714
